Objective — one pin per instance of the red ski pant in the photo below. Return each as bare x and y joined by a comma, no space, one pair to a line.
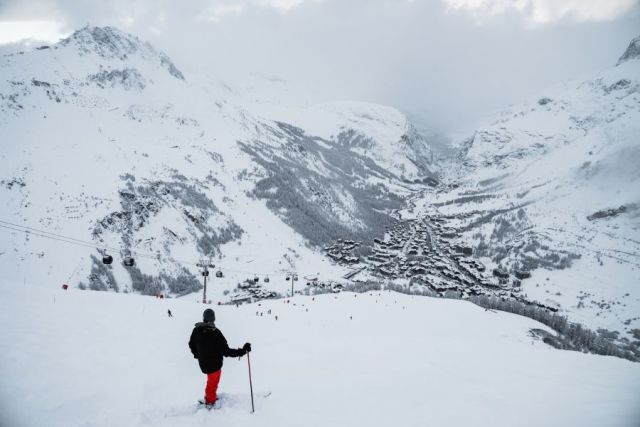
210,392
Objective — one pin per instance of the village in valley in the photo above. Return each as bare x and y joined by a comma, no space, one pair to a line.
417,256
425,253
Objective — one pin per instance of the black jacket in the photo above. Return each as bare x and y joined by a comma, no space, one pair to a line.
208,345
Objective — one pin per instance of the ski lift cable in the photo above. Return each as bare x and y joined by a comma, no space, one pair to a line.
83,243
35,233
59,238
137,252
73,240
49,233
45,232
78,242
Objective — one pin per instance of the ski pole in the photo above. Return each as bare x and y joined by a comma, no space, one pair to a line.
250,383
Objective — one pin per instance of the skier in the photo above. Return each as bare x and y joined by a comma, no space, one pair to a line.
208,345
169,313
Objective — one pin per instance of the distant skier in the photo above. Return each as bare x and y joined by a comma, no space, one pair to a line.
169,313
209,346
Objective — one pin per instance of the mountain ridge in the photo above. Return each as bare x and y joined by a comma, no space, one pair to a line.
186,170
196,168
550,186
632,52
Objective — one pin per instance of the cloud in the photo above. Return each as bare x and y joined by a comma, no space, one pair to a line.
423,56
545,11
283,5
24,31
215,12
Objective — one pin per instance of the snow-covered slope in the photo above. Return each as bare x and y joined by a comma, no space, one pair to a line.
75,358
105,140
553,186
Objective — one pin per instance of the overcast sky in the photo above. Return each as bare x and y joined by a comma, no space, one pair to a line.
448,62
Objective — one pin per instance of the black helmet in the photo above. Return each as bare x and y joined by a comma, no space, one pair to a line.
209,316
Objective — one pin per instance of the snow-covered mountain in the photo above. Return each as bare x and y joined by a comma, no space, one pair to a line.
110,149
106,141
552,186
632,52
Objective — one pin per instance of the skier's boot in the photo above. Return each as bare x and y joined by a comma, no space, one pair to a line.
210,405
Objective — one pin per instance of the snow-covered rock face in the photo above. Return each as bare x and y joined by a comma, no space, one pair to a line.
632,52
111,43
106,141
553,186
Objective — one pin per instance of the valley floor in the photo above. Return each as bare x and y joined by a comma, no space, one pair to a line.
74,358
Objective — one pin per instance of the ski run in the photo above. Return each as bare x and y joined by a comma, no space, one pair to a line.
85,358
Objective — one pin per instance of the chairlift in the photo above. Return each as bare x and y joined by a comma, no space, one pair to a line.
219,273
107,259
129,261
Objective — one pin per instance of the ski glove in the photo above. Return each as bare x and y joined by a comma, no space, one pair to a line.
246,347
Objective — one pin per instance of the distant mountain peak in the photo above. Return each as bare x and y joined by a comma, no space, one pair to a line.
112,43
632,52
108,42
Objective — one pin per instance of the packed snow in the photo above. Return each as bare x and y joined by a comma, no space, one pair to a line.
74,358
